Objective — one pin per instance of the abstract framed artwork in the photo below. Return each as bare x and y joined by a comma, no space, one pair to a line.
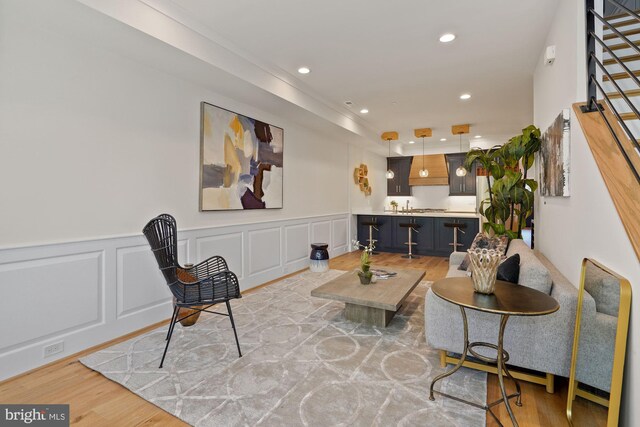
241,161
555,156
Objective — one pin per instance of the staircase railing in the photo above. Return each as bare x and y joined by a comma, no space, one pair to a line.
594,19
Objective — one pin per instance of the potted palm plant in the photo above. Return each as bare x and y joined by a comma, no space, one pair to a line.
510,196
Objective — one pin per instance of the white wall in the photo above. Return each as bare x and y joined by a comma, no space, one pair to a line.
377,166
585,224
94,143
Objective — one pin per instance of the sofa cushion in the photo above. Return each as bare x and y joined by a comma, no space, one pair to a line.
509,269
533,273
604,288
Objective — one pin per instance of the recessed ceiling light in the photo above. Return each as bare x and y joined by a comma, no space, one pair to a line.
478,136
364,111
446,38
465,96
443,139
412,142
304,70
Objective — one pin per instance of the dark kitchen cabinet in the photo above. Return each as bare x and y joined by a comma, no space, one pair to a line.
424,237
432,238
399,184
460,185
383,234
444,234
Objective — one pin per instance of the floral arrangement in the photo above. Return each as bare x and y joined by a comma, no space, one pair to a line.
364,273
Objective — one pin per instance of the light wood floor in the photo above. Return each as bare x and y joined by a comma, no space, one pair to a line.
97,401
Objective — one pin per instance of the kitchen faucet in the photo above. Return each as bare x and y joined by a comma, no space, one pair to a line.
407,206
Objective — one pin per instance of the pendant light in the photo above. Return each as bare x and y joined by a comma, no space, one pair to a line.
423,133
423,172
461,171
389,136
389,173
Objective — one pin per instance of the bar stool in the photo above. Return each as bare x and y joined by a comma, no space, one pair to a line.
373,225
456,227
410,243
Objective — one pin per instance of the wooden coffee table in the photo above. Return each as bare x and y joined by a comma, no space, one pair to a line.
373,304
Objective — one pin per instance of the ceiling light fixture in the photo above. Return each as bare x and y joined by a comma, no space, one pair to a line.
446,38
478,136
412,142
465,96
389,136
443,139
304,70
364,111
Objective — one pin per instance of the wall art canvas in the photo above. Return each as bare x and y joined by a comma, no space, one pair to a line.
554,156
241,161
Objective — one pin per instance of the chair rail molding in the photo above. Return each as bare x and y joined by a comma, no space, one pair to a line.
88,292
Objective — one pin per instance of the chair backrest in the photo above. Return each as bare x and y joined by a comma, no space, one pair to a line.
161,233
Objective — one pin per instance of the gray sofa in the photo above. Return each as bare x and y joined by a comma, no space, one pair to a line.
539,343
598,328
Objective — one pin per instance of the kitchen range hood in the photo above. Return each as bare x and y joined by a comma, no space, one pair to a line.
436,164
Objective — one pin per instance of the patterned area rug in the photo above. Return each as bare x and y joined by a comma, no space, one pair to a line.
303,364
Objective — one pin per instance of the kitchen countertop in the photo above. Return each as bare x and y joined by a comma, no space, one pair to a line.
446,214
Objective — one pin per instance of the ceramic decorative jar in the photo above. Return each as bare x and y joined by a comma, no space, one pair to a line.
319,257
484,269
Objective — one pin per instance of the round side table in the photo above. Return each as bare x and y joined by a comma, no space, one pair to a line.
508,300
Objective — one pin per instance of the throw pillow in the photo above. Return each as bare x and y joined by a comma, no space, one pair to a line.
464,265
509,269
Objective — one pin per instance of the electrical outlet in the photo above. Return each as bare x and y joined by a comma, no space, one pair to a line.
54,348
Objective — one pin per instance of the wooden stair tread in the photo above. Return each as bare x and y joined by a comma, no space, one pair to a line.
629,93
620,76
627,33
624,45
616,172
628,116
619,15
624,23
628,58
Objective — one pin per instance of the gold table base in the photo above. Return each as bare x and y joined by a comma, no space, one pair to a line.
500,361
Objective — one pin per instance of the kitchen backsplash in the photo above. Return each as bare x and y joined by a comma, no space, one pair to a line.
436,197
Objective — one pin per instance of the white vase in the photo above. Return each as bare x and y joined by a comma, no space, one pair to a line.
319,265
484,269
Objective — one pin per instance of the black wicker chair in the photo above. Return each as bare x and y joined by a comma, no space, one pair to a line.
205,284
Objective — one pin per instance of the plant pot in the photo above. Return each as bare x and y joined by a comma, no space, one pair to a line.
484,269
365,278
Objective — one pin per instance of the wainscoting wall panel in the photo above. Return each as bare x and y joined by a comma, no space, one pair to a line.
138,277
321,232
85,293
339,234
229,246
264,250
34,291
296,238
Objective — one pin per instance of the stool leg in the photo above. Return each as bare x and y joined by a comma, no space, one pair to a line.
455,239
371,252
410,244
